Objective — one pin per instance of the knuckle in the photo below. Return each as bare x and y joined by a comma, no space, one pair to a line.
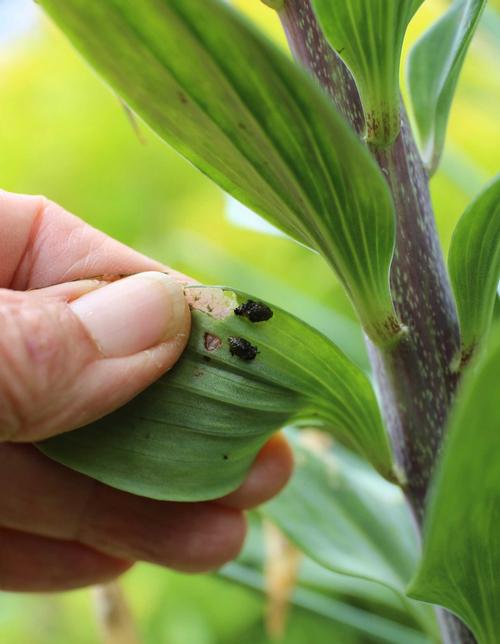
35,369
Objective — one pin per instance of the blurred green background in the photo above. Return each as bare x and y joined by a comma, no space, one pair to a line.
64,134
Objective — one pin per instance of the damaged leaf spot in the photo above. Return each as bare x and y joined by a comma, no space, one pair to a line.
216,302
212,342
242,348
225,457
254,311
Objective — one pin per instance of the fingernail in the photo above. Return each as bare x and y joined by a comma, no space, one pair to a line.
132,314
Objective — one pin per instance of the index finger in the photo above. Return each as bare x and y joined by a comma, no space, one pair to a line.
42,244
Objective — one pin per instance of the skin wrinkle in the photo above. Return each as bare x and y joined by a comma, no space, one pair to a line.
12,372
17,224
77,238
7,405
87,255
35,363
32,467
84,512
27,250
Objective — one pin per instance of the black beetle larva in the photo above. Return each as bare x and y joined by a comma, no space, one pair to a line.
242,348
254,311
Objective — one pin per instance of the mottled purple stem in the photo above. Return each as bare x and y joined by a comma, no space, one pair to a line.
308,45
414,377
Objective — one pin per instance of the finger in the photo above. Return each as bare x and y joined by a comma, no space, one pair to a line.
67,291
190,537
63,365
270,473
41,244
29,563
43,497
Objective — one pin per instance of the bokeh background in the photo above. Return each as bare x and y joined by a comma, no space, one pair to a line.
64,134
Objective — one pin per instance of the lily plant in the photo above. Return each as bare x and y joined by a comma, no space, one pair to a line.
319,143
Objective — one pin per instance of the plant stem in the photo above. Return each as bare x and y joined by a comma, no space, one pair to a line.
308,45
414,377
453,630
415,380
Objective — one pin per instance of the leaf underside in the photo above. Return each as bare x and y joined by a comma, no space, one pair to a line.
229,101
194,434
461,559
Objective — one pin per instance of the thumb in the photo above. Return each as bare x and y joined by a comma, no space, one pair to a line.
66,363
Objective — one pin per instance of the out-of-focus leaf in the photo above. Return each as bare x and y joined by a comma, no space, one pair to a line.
461,559
360,620
342,515
345,517
194,433
433,69
240,110
368,36
490,23
474,265
346,600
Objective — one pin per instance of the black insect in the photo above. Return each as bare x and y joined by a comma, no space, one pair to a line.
242,348
254,311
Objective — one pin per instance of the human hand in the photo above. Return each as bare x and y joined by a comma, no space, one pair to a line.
69,354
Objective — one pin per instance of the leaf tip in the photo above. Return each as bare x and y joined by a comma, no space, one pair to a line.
277,5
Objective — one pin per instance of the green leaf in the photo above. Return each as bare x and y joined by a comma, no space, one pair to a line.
345,517
342,515
260,546
368,36
461,560
366,608
474,265
433,68
194,433
240,110
364,623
